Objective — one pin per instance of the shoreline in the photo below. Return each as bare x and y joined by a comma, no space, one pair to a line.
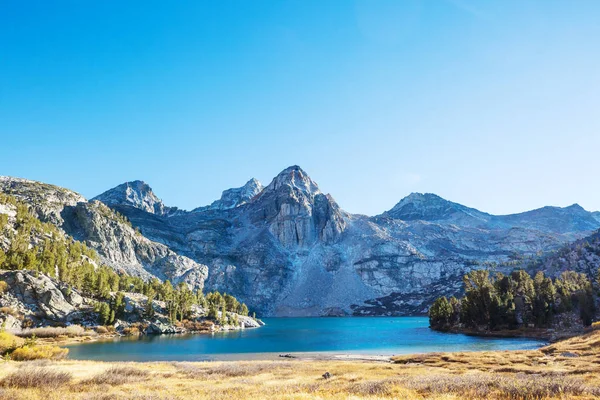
107,337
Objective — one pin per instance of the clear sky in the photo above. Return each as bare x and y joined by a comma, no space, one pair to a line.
493,104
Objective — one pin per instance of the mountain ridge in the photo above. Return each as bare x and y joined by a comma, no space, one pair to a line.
287,249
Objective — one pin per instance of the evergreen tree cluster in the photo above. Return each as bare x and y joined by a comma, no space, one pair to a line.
41,247
509,301
220,304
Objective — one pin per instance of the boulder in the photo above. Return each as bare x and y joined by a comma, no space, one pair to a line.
159,328
41,295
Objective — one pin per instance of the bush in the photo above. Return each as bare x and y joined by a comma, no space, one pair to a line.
131,331
39,352
53,332
196,326
8,311
36,378
9,342
3,287
101,330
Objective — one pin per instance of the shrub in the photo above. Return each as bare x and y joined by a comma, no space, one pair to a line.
3,287
101,330
197,326
36,378
9,342
118,376
131,331
8,311
53,331
39,352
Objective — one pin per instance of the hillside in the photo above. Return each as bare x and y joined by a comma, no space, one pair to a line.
47,278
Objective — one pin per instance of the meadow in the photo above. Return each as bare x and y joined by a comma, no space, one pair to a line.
569,370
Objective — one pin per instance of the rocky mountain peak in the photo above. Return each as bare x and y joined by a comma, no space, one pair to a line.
575,207
136,194
296,178
235,197
431,207
296,211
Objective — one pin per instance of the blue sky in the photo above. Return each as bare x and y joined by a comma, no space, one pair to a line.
491,104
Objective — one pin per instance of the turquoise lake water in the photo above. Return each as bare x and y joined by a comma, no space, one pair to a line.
370,336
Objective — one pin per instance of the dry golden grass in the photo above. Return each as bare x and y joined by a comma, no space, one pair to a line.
55,332
565,370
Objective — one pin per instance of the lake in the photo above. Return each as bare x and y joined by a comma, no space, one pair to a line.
364,335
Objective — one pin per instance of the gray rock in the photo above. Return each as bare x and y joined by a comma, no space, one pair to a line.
248,322
569,354
159,328
39,295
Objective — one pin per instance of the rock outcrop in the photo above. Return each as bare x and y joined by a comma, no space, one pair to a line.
41,299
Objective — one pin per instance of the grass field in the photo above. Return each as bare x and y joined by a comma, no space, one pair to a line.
568,369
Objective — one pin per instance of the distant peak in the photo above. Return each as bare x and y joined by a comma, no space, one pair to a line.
253,183
416,196
575,206
235,197
431,207
135,193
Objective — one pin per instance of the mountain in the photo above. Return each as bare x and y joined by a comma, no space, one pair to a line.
556,219
138,194
288,249
431,207
118,244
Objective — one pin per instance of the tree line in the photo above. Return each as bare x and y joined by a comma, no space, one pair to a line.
499,301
